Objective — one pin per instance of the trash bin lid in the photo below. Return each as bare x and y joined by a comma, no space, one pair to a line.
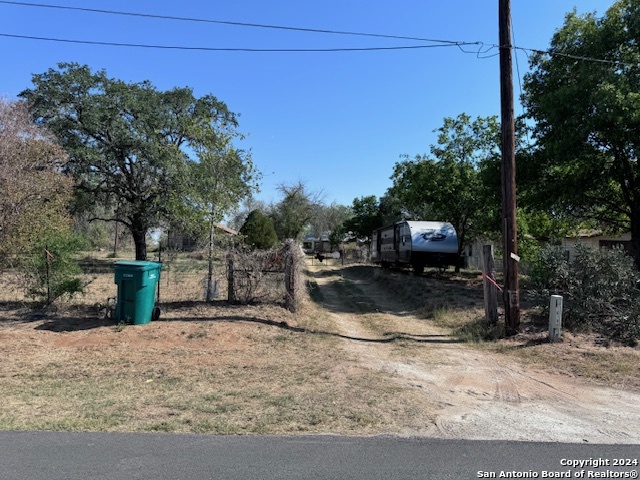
137,265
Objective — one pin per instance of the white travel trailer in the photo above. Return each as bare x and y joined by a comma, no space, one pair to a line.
418,244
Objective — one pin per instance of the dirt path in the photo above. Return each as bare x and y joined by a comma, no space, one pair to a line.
468,393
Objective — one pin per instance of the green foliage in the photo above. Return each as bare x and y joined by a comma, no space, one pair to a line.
601,289
446,185
550,271
366,217
329,218
98,234
51,268
587,118
131,147
391,209
34,195
258,231
221,179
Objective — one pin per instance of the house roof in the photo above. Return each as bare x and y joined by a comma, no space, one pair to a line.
592,233
228,230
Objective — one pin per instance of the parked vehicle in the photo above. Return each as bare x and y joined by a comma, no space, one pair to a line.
418,244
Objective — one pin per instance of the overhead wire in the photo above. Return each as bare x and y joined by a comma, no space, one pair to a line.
513,36
520,102
232,49
226,22
480,53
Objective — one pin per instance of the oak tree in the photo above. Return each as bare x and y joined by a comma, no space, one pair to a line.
445,185
584,96
129,144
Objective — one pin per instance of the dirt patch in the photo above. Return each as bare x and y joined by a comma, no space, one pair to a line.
467,392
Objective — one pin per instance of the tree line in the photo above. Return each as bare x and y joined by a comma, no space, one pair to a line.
79,147
576,153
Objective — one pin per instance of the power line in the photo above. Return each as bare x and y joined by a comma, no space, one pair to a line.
479,53
224,49
577,57
225,22
439,43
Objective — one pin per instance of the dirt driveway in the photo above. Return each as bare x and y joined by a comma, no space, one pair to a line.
469,393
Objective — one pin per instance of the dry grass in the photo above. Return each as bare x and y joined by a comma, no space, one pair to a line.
204,368
259,369
223,370
577,355
455,302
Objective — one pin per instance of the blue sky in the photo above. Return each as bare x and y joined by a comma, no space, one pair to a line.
337,121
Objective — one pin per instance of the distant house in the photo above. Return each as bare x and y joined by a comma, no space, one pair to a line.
595,239
472,253
179,241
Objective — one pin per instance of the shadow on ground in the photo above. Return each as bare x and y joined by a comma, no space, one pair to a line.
82,318
366,289
388,337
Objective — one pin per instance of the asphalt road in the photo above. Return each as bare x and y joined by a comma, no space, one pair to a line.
84,456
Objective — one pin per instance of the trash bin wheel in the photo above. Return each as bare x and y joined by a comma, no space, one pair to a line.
155,314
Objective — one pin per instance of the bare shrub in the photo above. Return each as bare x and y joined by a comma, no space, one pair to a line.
254,276
601,289
267,276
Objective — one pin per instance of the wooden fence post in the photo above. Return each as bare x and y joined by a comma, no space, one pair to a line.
231,297
290,276
490,288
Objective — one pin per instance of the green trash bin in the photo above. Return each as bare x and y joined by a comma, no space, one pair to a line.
136,282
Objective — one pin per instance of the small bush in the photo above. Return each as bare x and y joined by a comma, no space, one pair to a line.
50,269
259,232
601,289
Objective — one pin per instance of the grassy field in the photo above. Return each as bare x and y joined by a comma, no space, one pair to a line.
205,369
231,369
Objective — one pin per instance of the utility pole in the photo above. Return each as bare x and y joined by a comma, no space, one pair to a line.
511,296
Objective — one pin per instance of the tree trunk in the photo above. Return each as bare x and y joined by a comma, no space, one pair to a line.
461,246
140,241
210,292
635,239
231,294
115,241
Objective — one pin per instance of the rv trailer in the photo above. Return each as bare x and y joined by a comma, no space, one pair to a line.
418,244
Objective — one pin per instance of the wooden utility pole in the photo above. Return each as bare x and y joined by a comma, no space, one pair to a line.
511,295
490,287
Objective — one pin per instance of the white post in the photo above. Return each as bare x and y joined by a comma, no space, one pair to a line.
555,317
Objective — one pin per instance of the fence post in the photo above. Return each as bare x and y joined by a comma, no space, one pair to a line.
290,276
490,289
47,266
231,297
555,317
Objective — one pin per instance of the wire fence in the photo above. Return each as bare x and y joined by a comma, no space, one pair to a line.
183,278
